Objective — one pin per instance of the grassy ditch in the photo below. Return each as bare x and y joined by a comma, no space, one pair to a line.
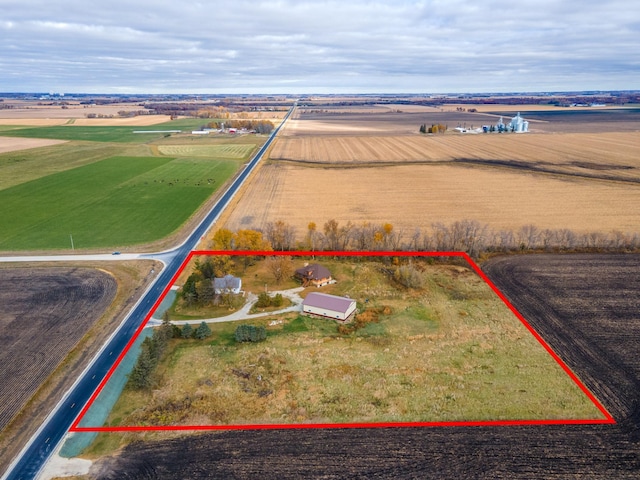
447,351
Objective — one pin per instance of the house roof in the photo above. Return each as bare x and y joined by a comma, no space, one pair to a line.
228,281
330,302
314,272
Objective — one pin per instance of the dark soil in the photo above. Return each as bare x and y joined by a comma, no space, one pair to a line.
587,307
557,121
45,312
393,122
589,121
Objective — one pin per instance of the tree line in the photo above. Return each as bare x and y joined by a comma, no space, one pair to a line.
154,347
470,236
259,126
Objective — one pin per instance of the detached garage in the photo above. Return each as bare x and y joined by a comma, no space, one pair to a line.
330,306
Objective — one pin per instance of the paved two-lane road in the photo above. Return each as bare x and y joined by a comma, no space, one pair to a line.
43,443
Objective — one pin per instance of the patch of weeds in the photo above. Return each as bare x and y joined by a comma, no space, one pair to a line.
298,324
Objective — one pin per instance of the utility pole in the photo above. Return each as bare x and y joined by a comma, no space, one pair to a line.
71,237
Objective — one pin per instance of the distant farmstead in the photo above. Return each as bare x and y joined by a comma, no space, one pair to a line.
314,275
330,306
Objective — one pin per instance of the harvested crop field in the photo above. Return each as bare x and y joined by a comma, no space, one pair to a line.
393,122
11,144
33,122
45,312
598,332
238,151
137,121
570,153
415,196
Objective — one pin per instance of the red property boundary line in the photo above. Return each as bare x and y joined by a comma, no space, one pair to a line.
607,420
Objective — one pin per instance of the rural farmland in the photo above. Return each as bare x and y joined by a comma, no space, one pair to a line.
596,344
80,187
55,317
449,350
582,181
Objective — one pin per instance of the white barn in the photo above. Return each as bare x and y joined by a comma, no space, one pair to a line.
330,306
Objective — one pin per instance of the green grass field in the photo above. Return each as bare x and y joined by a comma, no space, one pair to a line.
109,203
109,187
25,165
93,134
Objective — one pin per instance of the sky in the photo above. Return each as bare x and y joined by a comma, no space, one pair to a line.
305,47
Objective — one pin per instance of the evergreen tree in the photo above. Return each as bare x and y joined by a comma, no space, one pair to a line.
277,300
140,376
203,331
264,300
187,331
250,333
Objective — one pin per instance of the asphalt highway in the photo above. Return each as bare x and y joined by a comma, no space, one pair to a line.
53,430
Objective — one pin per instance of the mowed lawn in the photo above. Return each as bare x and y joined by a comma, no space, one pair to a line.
114,202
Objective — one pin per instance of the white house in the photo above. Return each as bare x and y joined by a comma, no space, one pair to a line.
330,306
227,284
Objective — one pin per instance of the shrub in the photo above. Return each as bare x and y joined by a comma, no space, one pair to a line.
277,300
264,300
250,333
408,276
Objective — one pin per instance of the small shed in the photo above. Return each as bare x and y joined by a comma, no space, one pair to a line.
330,306
227,284
314,275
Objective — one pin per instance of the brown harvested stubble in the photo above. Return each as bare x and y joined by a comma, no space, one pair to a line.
13,144
416,196
615,150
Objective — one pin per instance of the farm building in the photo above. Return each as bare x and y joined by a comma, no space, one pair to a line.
314,275
519,124
227,284
331,306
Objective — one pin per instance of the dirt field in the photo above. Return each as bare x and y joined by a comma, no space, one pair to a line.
597,334
44,314
413,197
47,311
11,144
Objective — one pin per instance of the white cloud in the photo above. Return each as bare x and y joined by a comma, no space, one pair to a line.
431,45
